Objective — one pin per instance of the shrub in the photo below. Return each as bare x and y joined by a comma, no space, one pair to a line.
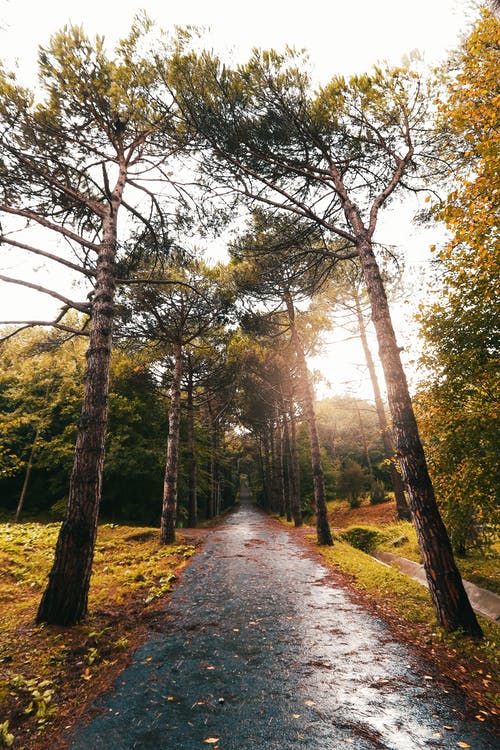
378,493
351,483
364,538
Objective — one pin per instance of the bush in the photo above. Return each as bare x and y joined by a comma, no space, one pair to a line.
378,493
351,483
364,538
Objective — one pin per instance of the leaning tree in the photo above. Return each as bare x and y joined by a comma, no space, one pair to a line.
72,159
335,157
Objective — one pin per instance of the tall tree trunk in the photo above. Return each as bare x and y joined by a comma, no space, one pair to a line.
402,508
365,447
29,466
322,526
280,473
192,467
261,467
275,494
295,464
288,481
267,468
212,425
65,599
169,509
450,600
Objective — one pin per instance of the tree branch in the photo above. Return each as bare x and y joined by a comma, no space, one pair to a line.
32,216
81,306
35,323
37,251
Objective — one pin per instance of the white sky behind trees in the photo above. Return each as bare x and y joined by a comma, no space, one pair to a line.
340,38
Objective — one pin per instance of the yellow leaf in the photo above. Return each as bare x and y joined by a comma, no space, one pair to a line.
463,744
211,740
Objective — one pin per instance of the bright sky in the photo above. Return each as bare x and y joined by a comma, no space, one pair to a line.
341,37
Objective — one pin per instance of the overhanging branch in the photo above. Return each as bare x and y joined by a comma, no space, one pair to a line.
81,306
45,254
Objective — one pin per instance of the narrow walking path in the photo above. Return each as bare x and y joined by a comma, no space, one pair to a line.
262,650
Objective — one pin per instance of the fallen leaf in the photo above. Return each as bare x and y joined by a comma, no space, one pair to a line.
211,740
463,744
296,716
209,667
170,698
309,703
480,718
447,726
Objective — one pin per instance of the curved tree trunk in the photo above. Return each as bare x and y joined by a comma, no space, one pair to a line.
169,509
450,600
65,599
402,508
322,526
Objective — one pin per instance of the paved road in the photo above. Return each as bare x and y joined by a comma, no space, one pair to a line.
262,650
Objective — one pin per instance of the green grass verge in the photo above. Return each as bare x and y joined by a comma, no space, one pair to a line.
400,539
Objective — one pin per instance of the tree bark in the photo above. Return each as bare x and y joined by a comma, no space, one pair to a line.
192,465
29,467
280,449
450,600
288,480
65,599
267,469
402,508
169,509
294,465
322,526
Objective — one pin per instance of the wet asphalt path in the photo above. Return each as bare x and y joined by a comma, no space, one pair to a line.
262,651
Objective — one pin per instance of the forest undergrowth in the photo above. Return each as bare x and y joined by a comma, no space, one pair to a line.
49,674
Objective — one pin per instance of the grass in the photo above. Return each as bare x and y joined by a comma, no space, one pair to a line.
46,670
399,537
